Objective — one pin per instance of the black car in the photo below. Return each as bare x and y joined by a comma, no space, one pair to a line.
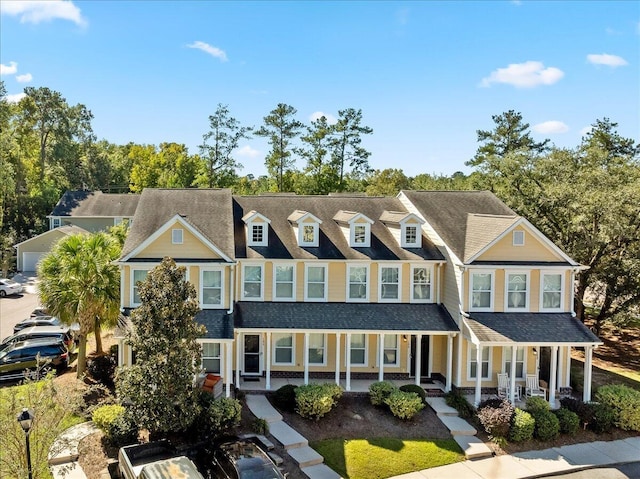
241,459
37,321
33,357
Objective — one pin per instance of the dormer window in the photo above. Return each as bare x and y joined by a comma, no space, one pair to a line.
359,234
405,227
306,227
257,229
257,233
177,236
410,234
356,228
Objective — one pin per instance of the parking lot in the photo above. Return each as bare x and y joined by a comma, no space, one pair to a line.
14,309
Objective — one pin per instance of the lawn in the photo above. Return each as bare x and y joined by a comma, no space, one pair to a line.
378,458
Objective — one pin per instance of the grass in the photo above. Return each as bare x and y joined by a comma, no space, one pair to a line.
378,458
603,377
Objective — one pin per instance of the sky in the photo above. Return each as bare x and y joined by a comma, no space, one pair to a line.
426,74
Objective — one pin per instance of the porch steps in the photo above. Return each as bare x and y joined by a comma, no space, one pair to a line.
458,426
305,456
287,436
473,447
262,408
439,405
320,471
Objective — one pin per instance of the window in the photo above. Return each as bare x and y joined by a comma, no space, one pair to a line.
552,291
520,364
257,234
420,284
390,353
481,287
252,283
358,350
283,348
176,236
410,234
316,286
518,238
211,357
360,235
358,289
256,228
56,223
211,284
138,275
389,283
284,281
517,291
485,362
309,235
317,342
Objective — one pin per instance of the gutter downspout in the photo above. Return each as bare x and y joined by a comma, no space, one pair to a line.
232,283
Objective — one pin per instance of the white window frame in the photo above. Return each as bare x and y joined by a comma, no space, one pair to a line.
133,285
366,351
562,277
204,305
265,231
301,227
403,238
177,236
367,235
274,341
366,285
471,358
253,298
527,305
491,292
397,266
518,237
429,268
275,282
384,349
56,222
117,220
506,358
213,358
306,281
324,349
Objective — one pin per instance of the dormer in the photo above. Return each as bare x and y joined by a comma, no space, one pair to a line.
356,228
257,228
405,227
306,228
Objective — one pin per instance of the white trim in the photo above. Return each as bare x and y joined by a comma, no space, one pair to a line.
472,357
518,238
325,266
242,281
429,268
275,266
274,340
348,283
201,285
260,355
220,357
367,235
132,283
527,305
403,235
492,272
397,266
506,358
316,229
385,335
53,220
324,348
562,275
366,351
264,233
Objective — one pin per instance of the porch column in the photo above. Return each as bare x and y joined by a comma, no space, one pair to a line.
348,361
418,357
553,375
381,356
560,382
588,358
430,370
447,386
567,377
459,360
267,358
120,352
229,367
306,358
238,348
512,379
338,359
478,393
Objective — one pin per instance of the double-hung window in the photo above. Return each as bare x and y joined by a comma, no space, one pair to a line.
485,362
316,282
252,282
317,347
211,357
283,353
211,288
389,283
358,283
420,284
551,292
284,282
517,291
520,362
137,276
358,350
481,291
390,353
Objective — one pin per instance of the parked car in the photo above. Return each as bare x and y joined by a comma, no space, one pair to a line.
33,357
39,312
61,333
240,459
9,287
155,460
37,321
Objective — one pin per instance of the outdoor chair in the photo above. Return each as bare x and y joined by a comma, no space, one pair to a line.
533,388
504,387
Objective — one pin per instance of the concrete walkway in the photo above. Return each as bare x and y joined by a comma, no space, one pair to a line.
63,455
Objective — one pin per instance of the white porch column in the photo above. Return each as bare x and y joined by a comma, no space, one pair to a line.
238,351
229,366
120,352
306,358
459,360
553,375
348,361
430,369
418,357
478,393
512,379
560,382
588,358
567,377
338,359
381,357
447,386
267,358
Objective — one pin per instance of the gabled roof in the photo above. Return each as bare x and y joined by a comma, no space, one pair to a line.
332,242
251,215
96,204
298,216
66,230
482,230
206,211
350,216
398,217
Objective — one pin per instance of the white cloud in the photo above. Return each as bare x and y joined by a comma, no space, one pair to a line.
316,115
26,78
210,49
524,75
36,11
15,98
248,152
10,69
549,127
606,59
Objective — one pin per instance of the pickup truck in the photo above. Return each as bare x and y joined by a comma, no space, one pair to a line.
155,460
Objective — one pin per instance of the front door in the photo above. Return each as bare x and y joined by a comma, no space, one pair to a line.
424,357
252,354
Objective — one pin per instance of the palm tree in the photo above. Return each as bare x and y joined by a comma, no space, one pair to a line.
80,283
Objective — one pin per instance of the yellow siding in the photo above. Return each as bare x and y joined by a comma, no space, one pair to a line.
498,298
42,244
406,283
267,271
533,249
373,282
534,291
191,246
439,355
126,285
337,282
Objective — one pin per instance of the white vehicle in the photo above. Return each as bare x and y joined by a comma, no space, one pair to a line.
9,287
155,460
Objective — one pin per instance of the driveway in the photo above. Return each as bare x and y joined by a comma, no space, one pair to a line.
14,309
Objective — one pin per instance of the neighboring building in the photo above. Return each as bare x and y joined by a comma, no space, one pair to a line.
30,252
446,286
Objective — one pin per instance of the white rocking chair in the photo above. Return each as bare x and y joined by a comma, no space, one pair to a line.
504,387
533,388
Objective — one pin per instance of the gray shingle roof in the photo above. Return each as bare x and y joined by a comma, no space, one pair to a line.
344,316
95,203
209,211
333,244
532,328
483,229
67,230
219,324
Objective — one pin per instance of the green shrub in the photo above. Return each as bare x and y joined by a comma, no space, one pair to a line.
547,425
404,405
260,426
457,401
604,417
313,401
104,416
285,397
569,421
535,404
522,426
102,369
379,391
496,420
582,409
414,388
221,415
625,403
116,424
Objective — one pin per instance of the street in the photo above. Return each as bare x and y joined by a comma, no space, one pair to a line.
14,309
